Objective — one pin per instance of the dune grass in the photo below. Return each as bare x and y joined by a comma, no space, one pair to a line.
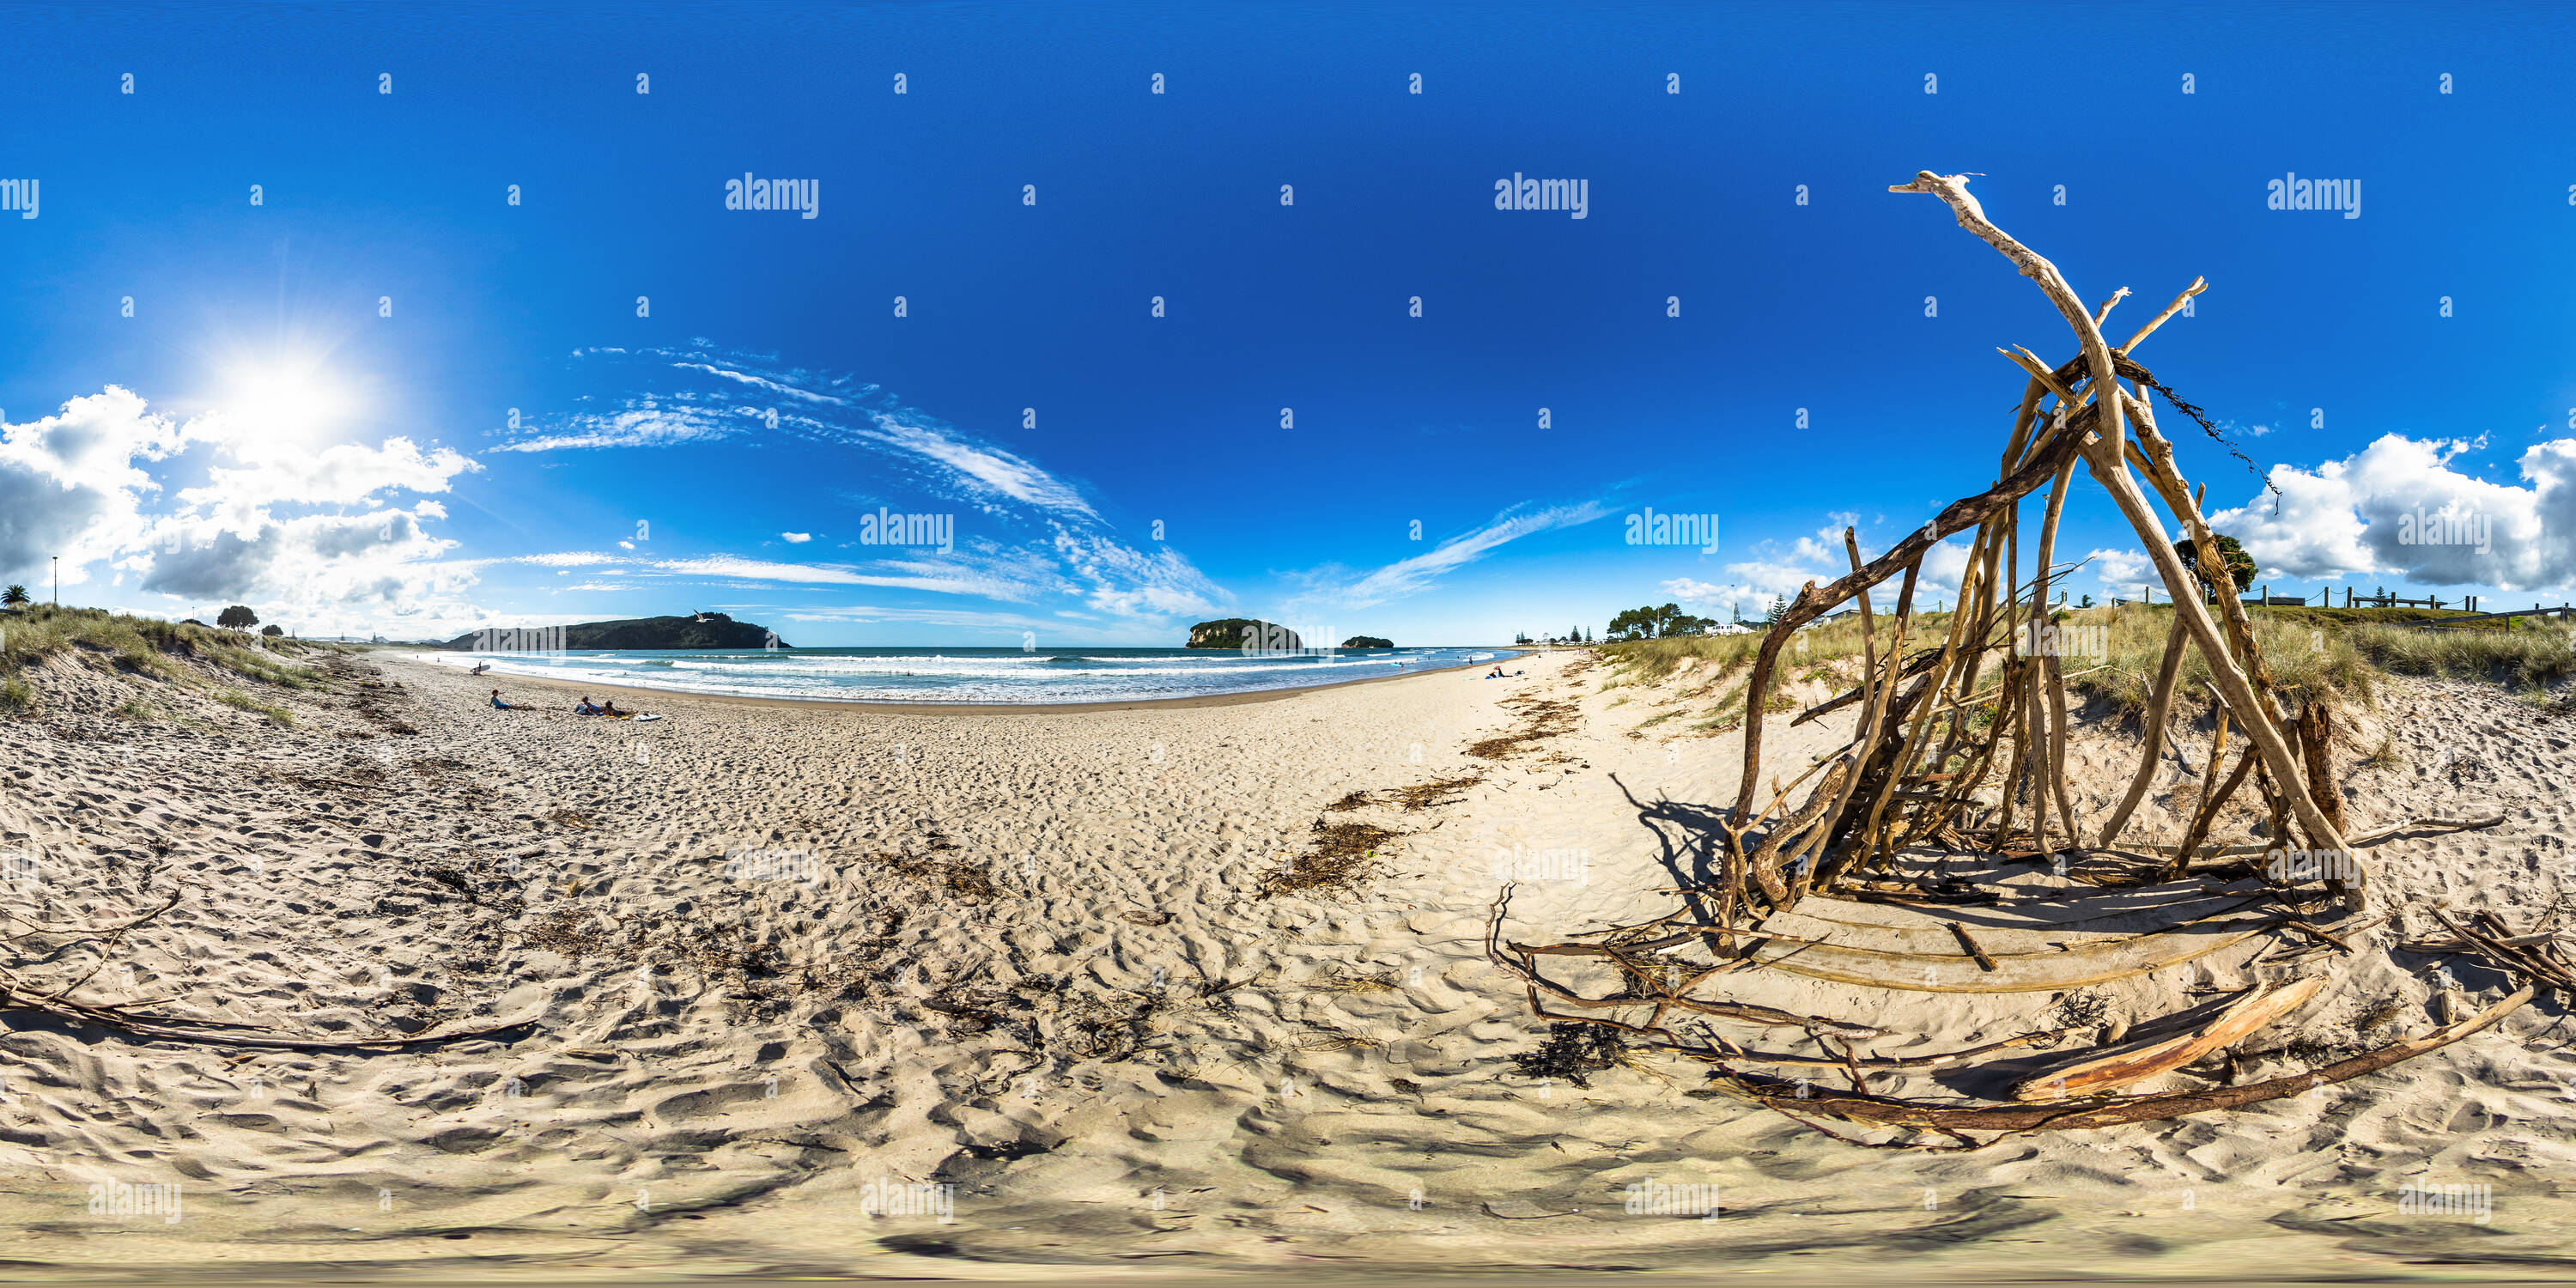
148,648
2112,654
2340,652
2306,653
240,701
2532,655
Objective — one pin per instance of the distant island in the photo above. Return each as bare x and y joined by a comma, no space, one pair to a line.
701,630
1367,641
1241,632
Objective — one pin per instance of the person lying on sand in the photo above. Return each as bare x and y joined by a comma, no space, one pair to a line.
497,702
609,709
584,707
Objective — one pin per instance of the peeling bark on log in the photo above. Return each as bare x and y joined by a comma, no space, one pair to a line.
2101,1072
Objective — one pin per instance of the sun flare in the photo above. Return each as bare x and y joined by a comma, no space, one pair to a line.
292,399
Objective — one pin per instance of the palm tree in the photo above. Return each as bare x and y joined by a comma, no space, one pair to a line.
13,596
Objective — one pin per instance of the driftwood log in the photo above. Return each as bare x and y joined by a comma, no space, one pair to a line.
1799,1098
2109,1071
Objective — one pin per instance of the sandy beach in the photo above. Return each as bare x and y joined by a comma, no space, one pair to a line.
795,988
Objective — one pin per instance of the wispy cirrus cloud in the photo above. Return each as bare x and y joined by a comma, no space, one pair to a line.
702,395
559,559
1063,546
978,468
1338,588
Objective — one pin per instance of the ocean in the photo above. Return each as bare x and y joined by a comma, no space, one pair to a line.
969,675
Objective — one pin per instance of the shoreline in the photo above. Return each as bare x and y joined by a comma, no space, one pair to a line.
1190,702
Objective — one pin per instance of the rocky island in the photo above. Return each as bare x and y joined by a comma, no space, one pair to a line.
698,630
1241,632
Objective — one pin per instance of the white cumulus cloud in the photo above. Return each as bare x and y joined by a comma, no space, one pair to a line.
2400,508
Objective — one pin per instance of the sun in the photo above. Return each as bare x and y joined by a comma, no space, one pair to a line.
290,398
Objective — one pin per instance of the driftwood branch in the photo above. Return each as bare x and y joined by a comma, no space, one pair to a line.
1799,1098
1812,603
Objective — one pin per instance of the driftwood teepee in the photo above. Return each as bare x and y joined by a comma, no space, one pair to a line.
1922,747
1948,753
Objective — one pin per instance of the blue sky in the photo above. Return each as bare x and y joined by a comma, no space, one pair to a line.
309,408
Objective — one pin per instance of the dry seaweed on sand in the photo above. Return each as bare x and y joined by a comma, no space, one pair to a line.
1543,718
1437,792
1346,985
1416,796
1573,1052
1089,1028
570,934
945,874
1318,1039
1336,858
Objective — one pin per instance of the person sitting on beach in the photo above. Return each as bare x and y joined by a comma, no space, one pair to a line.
584,708
497,702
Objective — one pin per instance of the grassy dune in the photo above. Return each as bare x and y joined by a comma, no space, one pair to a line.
2114,655
153,650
